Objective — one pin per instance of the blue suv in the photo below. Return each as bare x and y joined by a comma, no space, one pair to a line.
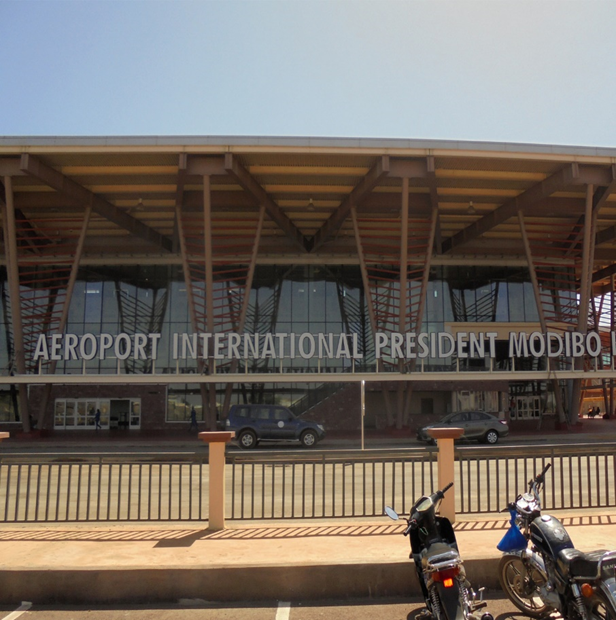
255,423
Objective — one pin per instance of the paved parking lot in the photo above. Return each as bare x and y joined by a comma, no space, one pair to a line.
195,609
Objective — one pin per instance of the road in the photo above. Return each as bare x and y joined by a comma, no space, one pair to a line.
191,445
390,609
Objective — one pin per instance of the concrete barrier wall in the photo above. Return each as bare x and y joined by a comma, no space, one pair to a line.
146,585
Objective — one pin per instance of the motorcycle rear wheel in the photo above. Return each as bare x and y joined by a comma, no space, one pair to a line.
520,586
601,608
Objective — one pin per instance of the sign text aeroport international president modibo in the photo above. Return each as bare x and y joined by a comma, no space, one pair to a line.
405,346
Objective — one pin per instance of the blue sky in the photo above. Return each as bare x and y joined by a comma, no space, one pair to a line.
521,71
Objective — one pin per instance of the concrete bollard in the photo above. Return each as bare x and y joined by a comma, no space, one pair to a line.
446,462
217,440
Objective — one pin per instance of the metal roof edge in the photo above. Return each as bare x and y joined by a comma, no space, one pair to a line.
306,142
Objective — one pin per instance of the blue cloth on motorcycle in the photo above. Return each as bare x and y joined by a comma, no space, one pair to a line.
513,540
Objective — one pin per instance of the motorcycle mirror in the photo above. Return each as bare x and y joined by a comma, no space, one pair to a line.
391,513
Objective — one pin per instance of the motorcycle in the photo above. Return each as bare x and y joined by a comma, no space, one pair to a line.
541,571
447,593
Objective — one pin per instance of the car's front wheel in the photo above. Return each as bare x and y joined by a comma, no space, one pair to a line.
309,439
247,440
491,437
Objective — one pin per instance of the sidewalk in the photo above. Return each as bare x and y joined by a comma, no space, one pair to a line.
73,563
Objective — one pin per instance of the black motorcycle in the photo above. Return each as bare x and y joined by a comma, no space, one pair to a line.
541,571
446,591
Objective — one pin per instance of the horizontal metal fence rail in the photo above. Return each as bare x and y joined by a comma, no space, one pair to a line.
295,485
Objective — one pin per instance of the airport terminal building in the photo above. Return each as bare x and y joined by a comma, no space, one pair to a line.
370,282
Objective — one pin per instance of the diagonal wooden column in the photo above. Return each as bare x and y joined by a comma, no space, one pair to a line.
364,272
437,243
585,292
542,321
370,304
43,416
332,225
250,185
209,291
10,244
404,255
432,242
187,279
245,303
404,293
79,195
190,293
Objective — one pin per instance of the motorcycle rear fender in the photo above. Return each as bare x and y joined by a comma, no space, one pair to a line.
450,600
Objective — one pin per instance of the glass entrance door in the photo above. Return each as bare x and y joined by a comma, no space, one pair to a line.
120,413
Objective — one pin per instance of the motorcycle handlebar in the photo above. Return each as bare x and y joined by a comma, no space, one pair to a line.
447,488
413,521
412,526
544,470
539,478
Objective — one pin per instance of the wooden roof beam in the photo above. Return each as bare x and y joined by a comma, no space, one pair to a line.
82,196
198,165
332,225
262,198
571,174
608,234
22,224
604,273
601,194
9,167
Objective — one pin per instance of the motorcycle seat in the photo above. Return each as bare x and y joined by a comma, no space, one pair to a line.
577,564
440,553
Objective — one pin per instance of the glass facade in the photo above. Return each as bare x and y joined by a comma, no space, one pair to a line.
283,299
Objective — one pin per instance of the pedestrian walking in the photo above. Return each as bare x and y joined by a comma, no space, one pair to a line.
193,420
97,419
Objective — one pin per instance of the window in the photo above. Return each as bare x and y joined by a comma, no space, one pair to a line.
7,406
242,412
282,414
263,413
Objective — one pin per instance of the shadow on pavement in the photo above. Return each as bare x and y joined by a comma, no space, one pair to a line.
184,537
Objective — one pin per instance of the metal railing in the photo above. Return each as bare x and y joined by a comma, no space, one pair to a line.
328,485
580,477
102,489
294,485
